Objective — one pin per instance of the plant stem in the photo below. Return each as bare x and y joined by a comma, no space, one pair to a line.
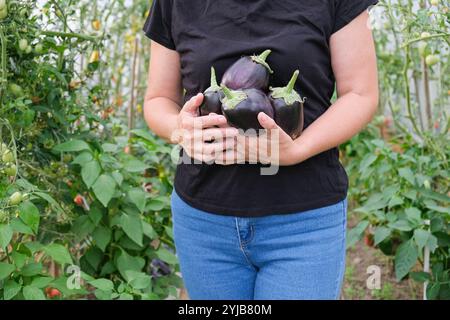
437,35
426,87
132,93
291,83
69,35
4,71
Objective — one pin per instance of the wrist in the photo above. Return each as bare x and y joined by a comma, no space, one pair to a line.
302,150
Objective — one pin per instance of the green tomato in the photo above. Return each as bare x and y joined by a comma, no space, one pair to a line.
23,44
3,216
8,156
3,13
39,48
15,198
2,4
3,148
427,184
425,34
16,90
432,59
422,48
28,49
11,171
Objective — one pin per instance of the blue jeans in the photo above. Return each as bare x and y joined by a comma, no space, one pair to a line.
288,257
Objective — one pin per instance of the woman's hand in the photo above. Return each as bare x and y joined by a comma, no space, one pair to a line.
203,138
273,147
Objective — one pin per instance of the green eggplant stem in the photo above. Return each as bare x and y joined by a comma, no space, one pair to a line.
261,59
214,84
263,56
291,83
232,98
227,92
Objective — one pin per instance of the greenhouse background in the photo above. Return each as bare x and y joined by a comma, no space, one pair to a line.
85,186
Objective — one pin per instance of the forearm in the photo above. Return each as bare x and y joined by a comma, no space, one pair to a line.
161,116
344,119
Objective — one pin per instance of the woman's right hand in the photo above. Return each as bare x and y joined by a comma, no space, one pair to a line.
204,138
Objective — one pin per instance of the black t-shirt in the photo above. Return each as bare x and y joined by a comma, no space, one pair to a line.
218,32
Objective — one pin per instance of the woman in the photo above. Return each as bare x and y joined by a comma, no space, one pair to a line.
240,234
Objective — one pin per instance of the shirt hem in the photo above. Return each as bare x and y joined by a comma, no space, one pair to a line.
259,212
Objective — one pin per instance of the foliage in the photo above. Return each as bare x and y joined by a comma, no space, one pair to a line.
77,187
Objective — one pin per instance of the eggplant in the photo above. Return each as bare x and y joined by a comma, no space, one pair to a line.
241,107
288,107
248,72
211,97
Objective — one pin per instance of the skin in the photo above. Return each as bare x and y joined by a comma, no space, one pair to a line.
354,64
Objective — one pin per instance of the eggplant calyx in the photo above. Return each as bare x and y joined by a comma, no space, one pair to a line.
288,94
261,59
232,97
214,87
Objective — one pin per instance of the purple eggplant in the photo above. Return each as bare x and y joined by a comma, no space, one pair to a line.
248,73
241,107
288,107
211,97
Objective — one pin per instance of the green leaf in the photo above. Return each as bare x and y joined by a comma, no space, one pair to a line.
11,289
34,246
414,215
395,201
433,290
19,259
138,280
104,189
420,276
133,227
143,133
29,214
367,161
109,147
166,256
407,174
59,253
148,230
95,214
102,237
83,158
118,177
41,282
49,199
434,195
380,234
125,296
90,172
137,196
405,259
103,284
155,205
125,262
33,293
18,226
432,243
401,225
83,226
135,165
31,269
355,234
72,146
421,237
6,269
6,234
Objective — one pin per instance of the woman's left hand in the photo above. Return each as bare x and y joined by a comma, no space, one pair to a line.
274,147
